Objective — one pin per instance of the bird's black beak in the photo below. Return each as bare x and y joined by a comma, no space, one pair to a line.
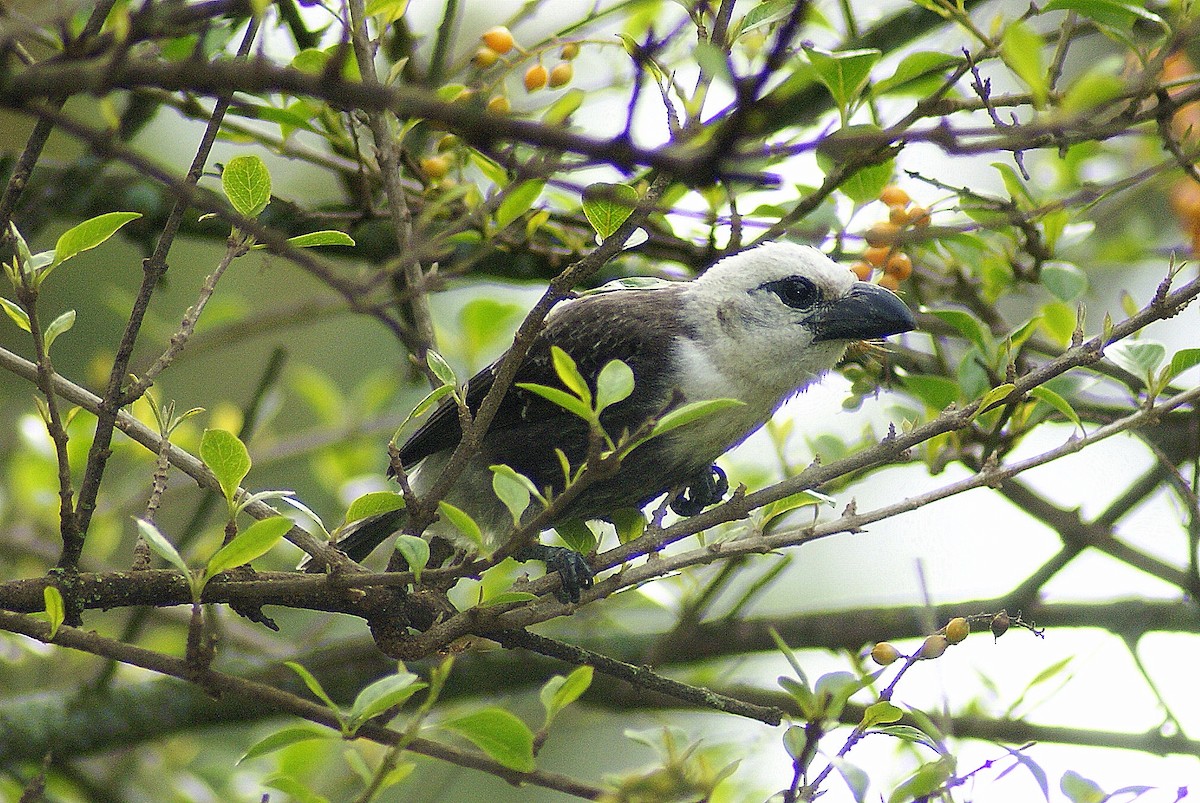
867,312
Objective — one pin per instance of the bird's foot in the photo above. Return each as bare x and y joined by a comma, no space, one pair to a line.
706,488
574,574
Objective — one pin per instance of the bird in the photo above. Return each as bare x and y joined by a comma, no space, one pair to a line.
758,326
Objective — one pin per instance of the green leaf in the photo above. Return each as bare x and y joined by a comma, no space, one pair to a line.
415,552
915,69
614,384
1065,280
576,534
56,609
968,326
1014,184
315,687
484,320
910,734
462,522
844,147
1139,357
89,234
558,112
247,184
1094,88
16,313
325,237
795,501
1081,790
383,694
925,781
423,406
563,399
714,61
511,491
855,778
690,412
499,734
937,392
373,504
1113,13
1045,394
59,325
441,369
253,542
994,396
630,523
281,739
160,546
843,73
559,691
568,374
227,458
1181,361
518,201
607,206
880,713
1021,48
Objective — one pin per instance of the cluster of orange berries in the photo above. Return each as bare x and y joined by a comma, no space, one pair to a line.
883,251
499,41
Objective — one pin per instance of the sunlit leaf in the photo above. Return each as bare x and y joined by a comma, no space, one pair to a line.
89,234
499,734
226,457
607,206
253,542
247,184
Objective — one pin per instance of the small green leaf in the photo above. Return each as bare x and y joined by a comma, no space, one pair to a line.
559,692
1045,394
795,501
315,687
994,396
880,713
855,778
227,458
16,313
511,491
281,739
1112,13
968,326
56,609
247,184
59,325
1181,361
614,384
607,206
914,70
517,201
1021,48
1139,357
89,234
253,542
910,734
576,534
1065,280
383,694
561,110
568,374
925,781
462,521
373,504
415,552
1081,790
690,412
499,734
843,73
441,369
630,523
160,546
937,392
316,238
563,399
713,61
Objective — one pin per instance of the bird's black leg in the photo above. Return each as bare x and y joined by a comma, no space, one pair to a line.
705,489
574,574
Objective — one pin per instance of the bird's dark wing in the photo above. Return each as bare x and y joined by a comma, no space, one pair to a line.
639,327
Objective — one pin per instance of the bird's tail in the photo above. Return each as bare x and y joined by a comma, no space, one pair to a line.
360,538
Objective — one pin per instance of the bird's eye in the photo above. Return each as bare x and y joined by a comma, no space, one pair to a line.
795,291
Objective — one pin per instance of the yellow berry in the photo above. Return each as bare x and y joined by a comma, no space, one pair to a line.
918,216
535,78
933,647
893,195
485,57
889,282
862,270
569,51
899,265
499,39
446,143
882,233
957,629
499,105
884,653
435,166
898,214
561,74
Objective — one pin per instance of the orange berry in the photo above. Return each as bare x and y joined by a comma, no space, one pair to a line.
918,216
957,629
569,51
882,233
499,39
877,255
898,214
435,166
899,265
862,270
499,105
535,78
893,195
561,74
889,282
485,57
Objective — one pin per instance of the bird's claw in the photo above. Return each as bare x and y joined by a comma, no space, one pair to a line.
705,489
574,573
